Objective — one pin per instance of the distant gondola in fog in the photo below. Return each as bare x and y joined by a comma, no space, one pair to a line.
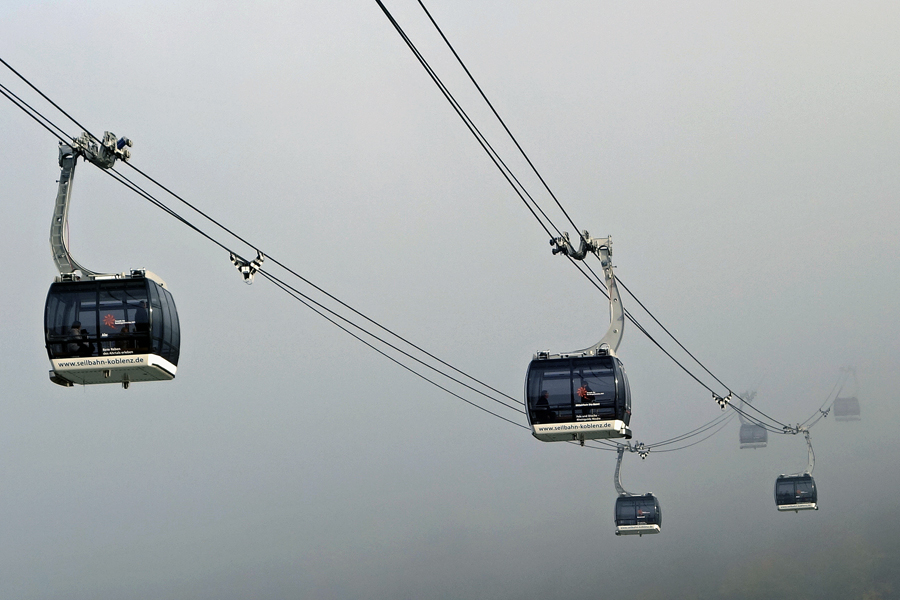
796,493
846,409
635,514
752,434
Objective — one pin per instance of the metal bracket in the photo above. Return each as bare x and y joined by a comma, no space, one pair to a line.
723,402
104,155
602,248
811,456
248,268
642,450
617,478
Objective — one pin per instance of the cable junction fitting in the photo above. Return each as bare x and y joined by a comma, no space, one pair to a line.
723,402
248,268
642,450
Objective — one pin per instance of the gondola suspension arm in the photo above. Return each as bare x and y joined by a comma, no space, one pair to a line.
642,451
617,478
811,456
602,248
104,155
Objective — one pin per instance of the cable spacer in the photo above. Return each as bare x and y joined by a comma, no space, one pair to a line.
248,268
723,402
642,450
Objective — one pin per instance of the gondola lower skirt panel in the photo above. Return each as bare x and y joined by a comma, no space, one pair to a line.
589,430
636,529
753,445
113,369
796,507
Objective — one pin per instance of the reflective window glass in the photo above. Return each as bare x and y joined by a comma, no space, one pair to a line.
625,512
595,383
784,491
626,405
169,327
637,510
176,328
550,391
805,490
118,301
71,319
645,510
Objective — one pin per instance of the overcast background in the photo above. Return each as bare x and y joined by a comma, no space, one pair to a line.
743,156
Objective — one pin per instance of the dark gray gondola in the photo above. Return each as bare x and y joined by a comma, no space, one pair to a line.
753,436
111,330
637,515
846,409
578,397
796,493
104,327
584,394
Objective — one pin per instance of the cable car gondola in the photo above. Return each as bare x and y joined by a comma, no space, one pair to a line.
115,330
796,493
583,394
846,409
104,328
753,436
635,514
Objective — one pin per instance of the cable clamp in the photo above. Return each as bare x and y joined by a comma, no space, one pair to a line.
723,402
561,244
104,154
642,450
248,268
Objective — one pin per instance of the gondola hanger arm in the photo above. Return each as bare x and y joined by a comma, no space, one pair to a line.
602,248
642,451
617,477
104,155
811,456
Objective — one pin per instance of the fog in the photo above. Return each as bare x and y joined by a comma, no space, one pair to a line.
743,157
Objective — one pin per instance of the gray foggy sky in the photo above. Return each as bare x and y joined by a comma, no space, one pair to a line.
743,156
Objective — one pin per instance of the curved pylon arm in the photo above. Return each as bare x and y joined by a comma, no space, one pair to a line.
745,399
617,478
104,156
602,247
811,456
847,372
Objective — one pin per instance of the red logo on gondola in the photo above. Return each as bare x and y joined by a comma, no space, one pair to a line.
109,321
